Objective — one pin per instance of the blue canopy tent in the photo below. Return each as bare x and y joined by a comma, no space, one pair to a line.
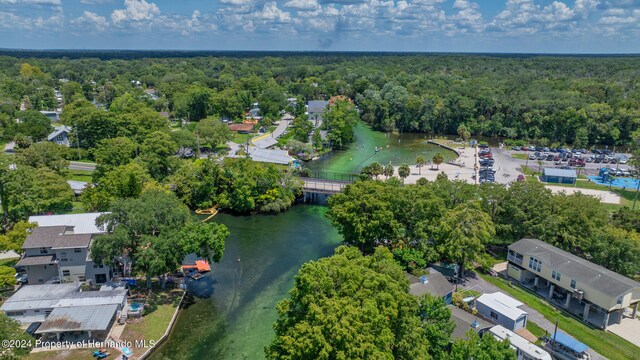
570,343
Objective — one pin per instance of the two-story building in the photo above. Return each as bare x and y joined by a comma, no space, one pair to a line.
58,250
316,110
597,294
60,135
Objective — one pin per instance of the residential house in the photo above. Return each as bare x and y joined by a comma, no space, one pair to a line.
465,321
525,350
58,250
597,294
65,308
60,135
316,110
54,116
433,283
272,156
503,310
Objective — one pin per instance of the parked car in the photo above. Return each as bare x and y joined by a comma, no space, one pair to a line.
532,156
21,278
516,148
550,157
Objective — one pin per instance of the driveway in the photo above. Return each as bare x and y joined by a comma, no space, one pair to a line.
477,283
77,165
628,329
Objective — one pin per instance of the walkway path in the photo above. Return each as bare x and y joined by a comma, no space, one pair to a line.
477,282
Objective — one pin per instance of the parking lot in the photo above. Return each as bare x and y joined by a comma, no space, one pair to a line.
586,162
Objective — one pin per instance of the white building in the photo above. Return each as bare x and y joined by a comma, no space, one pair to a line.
502,309
525,350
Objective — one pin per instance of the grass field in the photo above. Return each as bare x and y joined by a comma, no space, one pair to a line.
240,138
608,344
520,156
80,175
8,262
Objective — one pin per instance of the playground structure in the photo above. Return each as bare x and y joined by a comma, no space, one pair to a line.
211,212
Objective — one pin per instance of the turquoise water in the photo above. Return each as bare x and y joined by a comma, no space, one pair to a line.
395,150
232,315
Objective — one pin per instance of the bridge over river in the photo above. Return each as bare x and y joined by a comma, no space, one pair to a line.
320,185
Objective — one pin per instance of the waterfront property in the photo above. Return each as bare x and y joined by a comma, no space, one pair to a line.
64,310
58,250
433,283
465,321
272,156
559,176
598,295
503,310
316,110
525,350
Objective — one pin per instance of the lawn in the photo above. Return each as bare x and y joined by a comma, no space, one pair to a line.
79,175
64,355
537,331
154,323
240,138
520,156
602,342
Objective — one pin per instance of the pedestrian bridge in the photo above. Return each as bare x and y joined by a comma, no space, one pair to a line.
320,185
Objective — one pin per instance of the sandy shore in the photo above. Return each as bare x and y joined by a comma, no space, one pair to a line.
465,172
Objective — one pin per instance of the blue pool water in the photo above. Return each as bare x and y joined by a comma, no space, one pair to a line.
621,182
135,306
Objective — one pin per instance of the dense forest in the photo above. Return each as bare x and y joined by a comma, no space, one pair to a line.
575,100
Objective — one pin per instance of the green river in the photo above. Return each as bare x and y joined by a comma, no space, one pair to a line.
233,308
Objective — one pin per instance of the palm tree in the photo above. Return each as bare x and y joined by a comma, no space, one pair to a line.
404,171
540,166
389,171
376,169
438,159
420,160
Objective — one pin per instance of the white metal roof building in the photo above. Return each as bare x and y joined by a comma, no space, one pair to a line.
78,318
524,349
271,156
82,223
502,309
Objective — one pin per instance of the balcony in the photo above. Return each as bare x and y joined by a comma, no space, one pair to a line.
514,259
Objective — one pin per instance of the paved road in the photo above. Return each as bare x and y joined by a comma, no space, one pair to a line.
507,168
76,165
479,284
271,139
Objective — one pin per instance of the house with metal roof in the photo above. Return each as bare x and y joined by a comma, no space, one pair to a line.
559,176
525,350
64,308
503,310
599,295
58,250
272,156
433,283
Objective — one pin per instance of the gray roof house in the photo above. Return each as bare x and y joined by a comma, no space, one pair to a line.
60,135
465,321
58,250
433,283
597,294
65,308
315,111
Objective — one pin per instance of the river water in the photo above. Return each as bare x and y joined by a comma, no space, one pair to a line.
233,308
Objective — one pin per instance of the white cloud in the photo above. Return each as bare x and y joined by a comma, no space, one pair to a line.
96,2
237,2
271,12
302,4
135,10
92,21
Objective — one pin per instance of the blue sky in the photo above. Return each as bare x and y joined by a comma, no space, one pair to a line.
548,26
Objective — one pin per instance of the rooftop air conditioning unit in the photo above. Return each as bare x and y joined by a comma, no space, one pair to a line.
578,294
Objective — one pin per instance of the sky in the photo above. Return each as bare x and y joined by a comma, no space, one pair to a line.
506,26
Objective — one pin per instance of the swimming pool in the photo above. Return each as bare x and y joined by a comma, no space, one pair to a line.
135,306
620,182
